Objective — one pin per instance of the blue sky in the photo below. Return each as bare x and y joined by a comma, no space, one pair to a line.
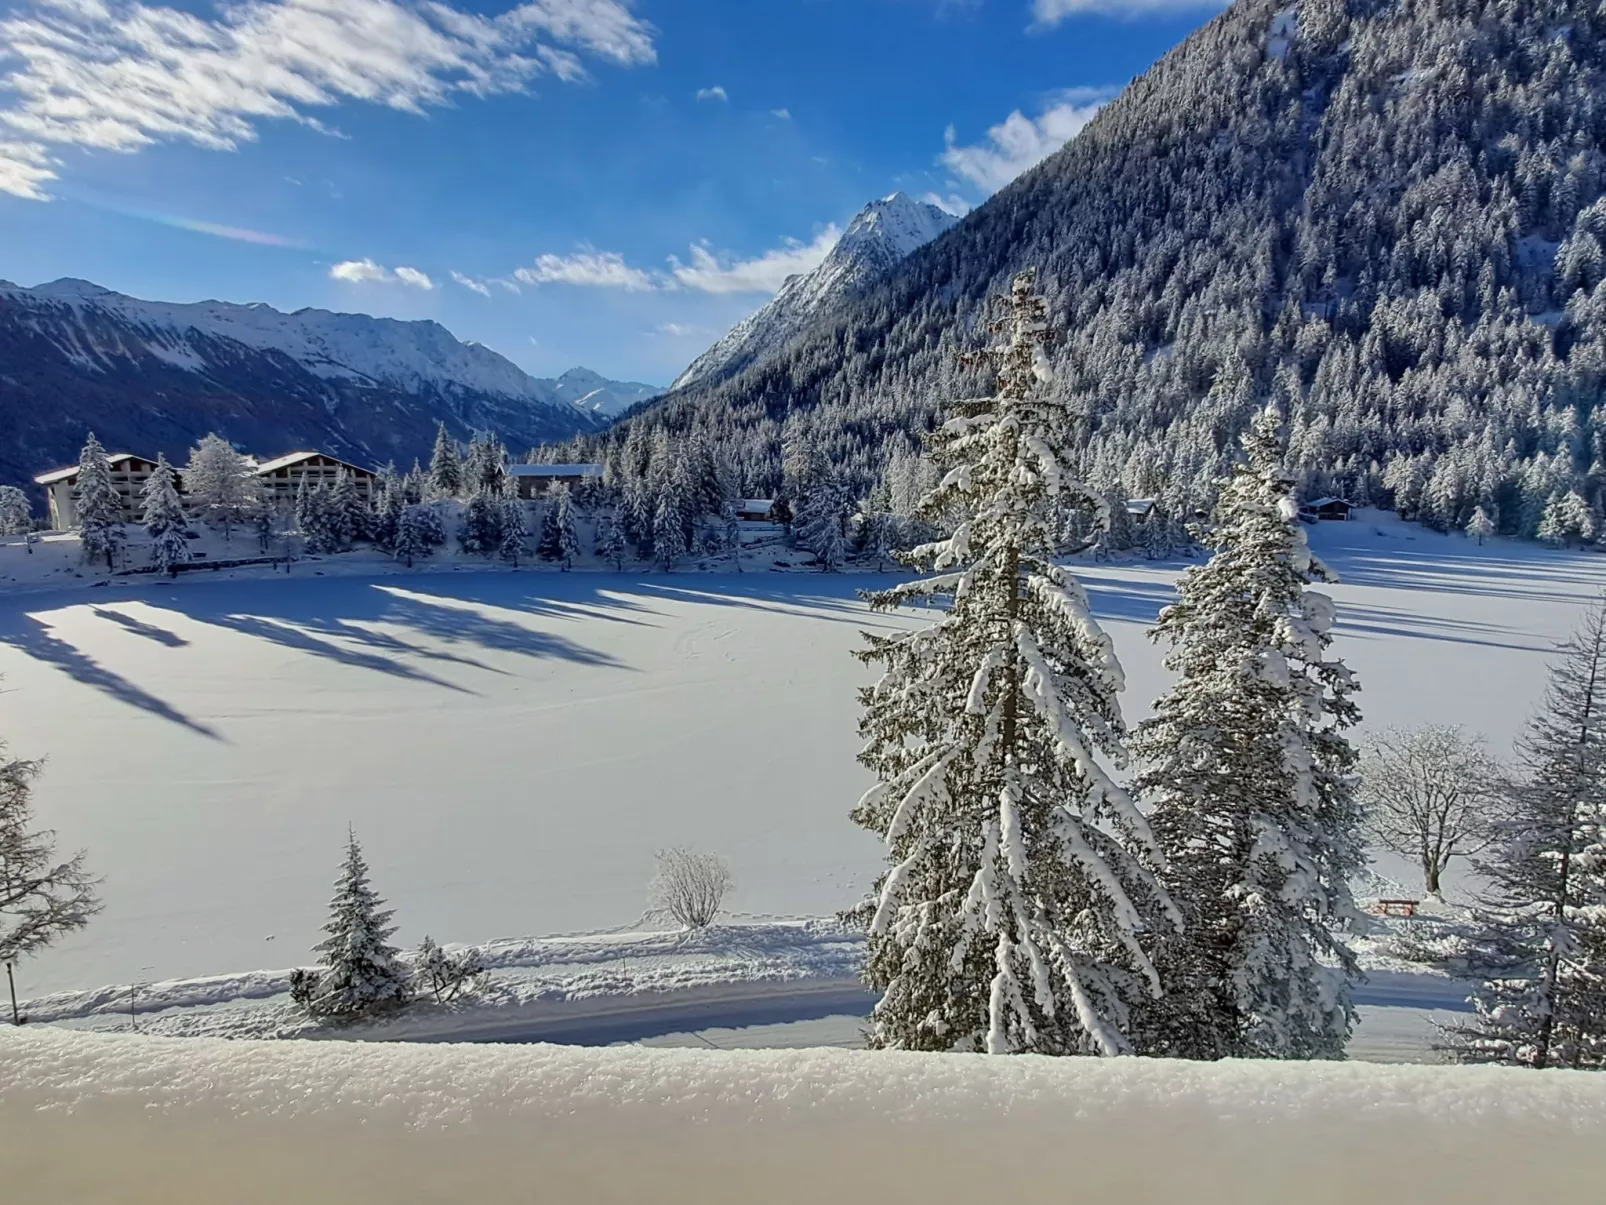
567,181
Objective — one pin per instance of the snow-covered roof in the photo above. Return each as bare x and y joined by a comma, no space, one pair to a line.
291,458
1139,506
554,470
1318,503
71,471
764,504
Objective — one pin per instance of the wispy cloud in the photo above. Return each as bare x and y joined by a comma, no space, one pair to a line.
952,203
1048,13
714,93
682,330
588,268
468,282
1020,142
763,274
783,114
120,75
366,271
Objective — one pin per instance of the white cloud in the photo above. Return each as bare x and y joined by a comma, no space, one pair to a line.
119,75
468,282
765,274
783,114
1048,13
366,271
681,330
590,268
1020,142
952,203
714,93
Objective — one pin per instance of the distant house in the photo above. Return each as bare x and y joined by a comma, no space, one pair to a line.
755,510
128,473
1330,509
280,478
533,480
1139,508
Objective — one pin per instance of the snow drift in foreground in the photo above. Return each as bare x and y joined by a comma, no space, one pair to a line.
101,1117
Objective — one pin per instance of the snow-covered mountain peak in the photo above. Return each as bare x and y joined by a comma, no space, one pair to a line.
880,235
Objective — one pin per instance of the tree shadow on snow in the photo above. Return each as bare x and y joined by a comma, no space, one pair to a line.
140,628
30,636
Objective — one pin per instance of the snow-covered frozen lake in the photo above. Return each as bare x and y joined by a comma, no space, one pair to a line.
512,747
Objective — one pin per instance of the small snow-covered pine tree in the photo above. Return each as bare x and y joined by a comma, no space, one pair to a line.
512,545
100,509
1480,527
611,542
360,972
669,543
221,482
1541,957
1020,896
412,534
445,467
16,517
163,517
1250,778
351,516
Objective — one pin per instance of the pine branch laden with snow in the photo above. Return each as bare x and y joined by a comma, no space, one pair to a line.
163,517
1541,955
1250,777
1021,898
360,972
100,510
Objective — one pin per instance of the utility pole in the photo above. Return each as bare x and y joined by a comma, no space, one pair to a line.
11,980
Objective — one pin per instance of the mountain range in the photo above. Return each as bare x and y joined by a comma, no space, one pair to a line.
1386,217
154,377
880,237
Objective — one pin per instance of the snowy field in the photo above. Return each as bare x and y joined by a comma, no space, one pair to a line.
512,747
98,1118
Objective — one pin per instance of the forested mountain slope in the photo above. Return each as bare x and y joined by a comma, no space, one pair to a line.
1388,215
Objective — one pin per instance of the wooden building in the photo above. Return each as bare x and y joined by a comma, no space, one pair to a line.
1325,509
128,473
755,510
280,478
533,480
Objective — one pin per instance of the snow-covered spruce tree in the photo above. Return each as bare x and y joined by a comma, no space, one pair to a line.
351,515
730,526
40,898
669,542
481,530
359,973
445,467
412,536
220,481
163,518
1249,775
1480,527
511,547
100,509
1020,897
1541,957
16,517
821,515
611,542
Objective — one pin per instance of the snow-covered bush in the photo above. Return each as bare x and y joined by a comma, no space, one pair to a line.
444,975
690,886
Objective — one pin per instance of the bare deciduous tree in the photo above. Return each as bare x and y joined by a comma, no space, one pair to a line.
690,886
1428,795
40,898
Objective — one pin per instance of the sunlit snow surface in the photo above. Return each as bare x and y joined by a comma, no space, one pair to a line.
512,748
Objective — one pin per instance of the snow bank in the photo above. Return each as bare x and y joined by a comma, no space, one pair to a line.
100,1117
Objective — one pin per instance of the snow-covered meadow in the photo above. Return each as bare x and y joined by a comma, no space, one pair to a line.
513,747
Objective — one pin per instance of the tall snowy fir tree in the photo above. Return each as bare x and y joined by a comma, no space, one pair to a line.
351,515
100,509
445,466
1542,956
559,541
360,972
512,546
16,516
611,542
1021,895
669,540
1250,776
163,517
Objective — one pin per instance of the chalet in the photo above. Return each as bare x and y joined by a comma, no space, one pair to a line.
280,479
128,472
533,480
1140,508
1330,509
755,510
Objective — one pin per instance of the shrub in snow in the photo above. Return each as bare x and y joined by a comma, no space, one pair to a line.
1021,893
1251,780
447,976
1541,954
360,973
690,887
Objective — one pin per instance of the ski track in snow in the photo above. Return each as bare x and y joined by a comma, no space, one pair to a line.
512,748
